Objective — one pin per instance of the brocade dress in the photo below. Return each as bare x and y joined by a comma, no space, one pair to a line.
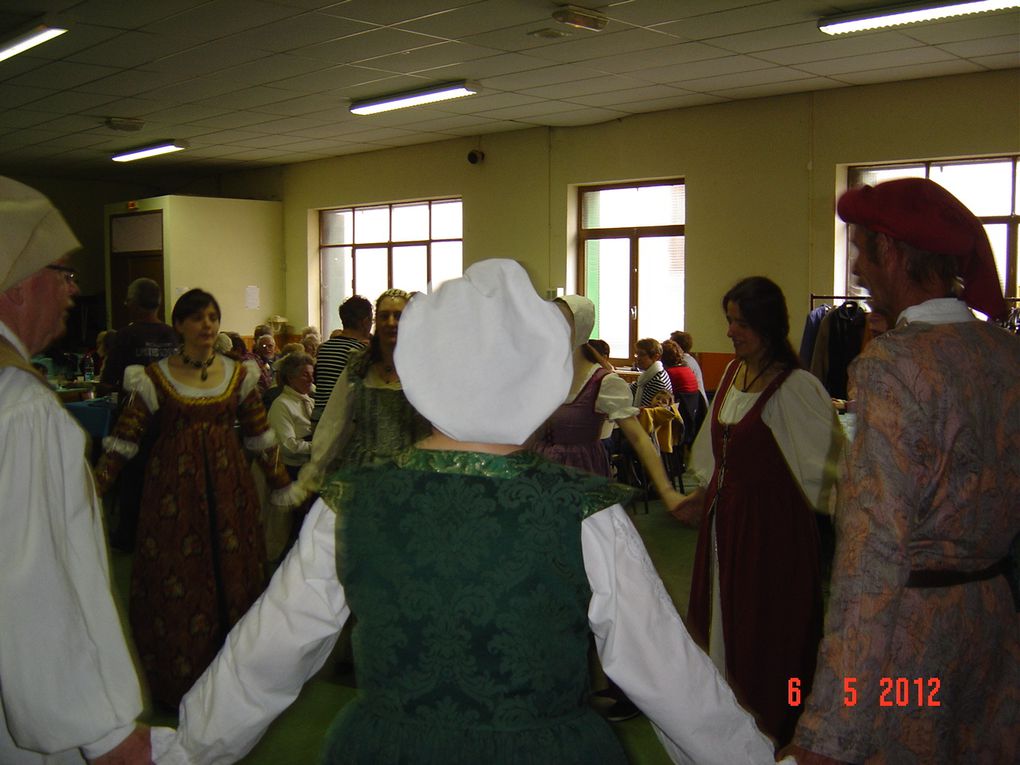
476,580
471,596
201,550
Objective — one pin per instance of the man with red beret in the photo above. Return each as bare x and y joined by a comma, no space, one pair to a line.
920,662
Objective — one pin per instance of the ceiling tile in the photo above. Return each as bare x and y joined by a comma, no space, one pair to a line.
878,61
840,48
967,28
393,11
299,32
219,18
479,17
778,88
366,45
917,71
576,88
695,70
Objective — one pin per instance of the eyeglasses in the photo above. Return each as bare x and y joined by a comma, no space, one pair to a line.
70,275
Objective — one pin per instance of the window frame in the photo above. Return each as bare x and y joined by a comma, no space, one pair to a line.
632,233
389,244
855,173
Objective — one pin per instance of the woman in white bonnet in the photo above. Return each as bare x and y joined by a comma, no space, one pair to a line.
477,571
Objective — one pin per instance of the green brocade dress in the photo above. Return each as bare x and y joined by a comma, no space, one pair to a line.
465,573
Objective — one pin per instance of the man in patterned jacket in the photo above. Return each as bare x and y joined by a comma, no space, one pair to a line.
920,662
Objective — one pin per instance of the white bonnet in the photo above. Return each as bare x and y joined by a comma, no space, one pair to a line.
33,234
583,311
484,358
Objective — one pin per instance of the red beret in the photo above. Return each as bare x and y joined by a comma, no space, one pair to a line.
923,214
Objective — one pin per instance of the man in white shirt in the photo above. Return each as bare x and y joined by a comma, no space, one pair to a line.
68,688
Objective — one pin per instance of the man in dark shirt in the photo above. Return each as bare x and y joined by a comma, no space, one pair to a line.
145,340
332,356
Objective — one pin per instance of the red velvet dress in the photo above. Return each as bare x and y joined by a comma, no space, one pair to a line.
200,557
768,559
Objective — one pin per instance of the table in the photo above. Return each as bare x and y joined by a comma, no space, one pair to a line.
95,416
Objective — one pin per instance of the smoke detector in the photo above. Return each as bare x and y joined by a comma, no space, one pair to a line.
581,18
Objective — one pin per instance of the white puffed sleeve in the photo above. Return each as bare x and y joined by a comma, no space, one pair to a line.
615,399
332,432
283,639
646,650
137,383
251,377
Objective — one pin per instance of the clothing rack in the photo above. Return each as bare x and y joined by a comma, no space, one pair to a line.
815,298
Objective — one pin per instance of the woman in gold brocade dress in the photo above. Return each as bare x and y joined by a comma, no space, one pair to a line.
201,550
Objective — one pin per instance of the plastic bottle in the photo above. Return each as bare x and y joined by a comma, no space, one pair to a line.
88,368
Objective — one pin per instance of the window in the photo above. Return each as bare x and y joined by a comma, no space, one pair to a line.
368,250
989,187
631,260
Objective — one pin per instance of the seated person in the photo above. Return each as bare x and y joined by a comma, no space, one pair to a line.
653,378
478,572
686,343
681,377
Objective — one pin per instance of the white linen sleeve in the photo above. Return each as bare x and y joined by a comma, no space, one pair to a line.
332,432
283,639
804,422
615,398
68,677
251,377
137,383
646,650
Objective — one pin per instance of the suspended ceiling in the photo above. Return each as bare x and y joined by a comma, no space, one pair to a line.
256,83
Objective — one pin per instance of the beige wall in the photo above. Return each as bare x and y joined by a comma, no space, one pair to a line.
222,246
761,177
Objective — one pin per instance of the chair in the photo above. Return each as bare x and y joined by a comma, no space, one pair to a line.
692,410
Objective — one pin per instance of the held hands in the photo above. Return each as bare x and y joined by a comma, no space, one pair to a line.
688,509
136,749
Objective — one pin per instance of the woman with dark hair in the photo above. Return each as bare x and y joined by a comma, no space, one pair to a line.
768,461
367,418
201,549
686,343
681,376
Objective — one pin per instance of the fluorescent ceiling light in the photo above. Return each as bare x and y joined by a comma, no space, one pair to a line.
912,13
149,151
414,97
35,36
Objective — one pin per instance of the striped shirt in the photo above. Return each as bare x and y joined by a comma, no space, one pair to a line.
653,380
330,361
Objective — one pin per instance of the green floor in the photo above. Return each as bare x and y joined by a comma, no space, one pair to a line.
295,737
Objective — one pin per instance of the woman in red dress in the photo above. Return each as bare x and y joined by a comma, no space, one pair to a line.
201,549
765,464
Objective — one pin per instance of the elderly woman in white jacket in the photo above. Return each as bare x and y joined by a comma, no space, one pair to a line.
290,414
477,571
